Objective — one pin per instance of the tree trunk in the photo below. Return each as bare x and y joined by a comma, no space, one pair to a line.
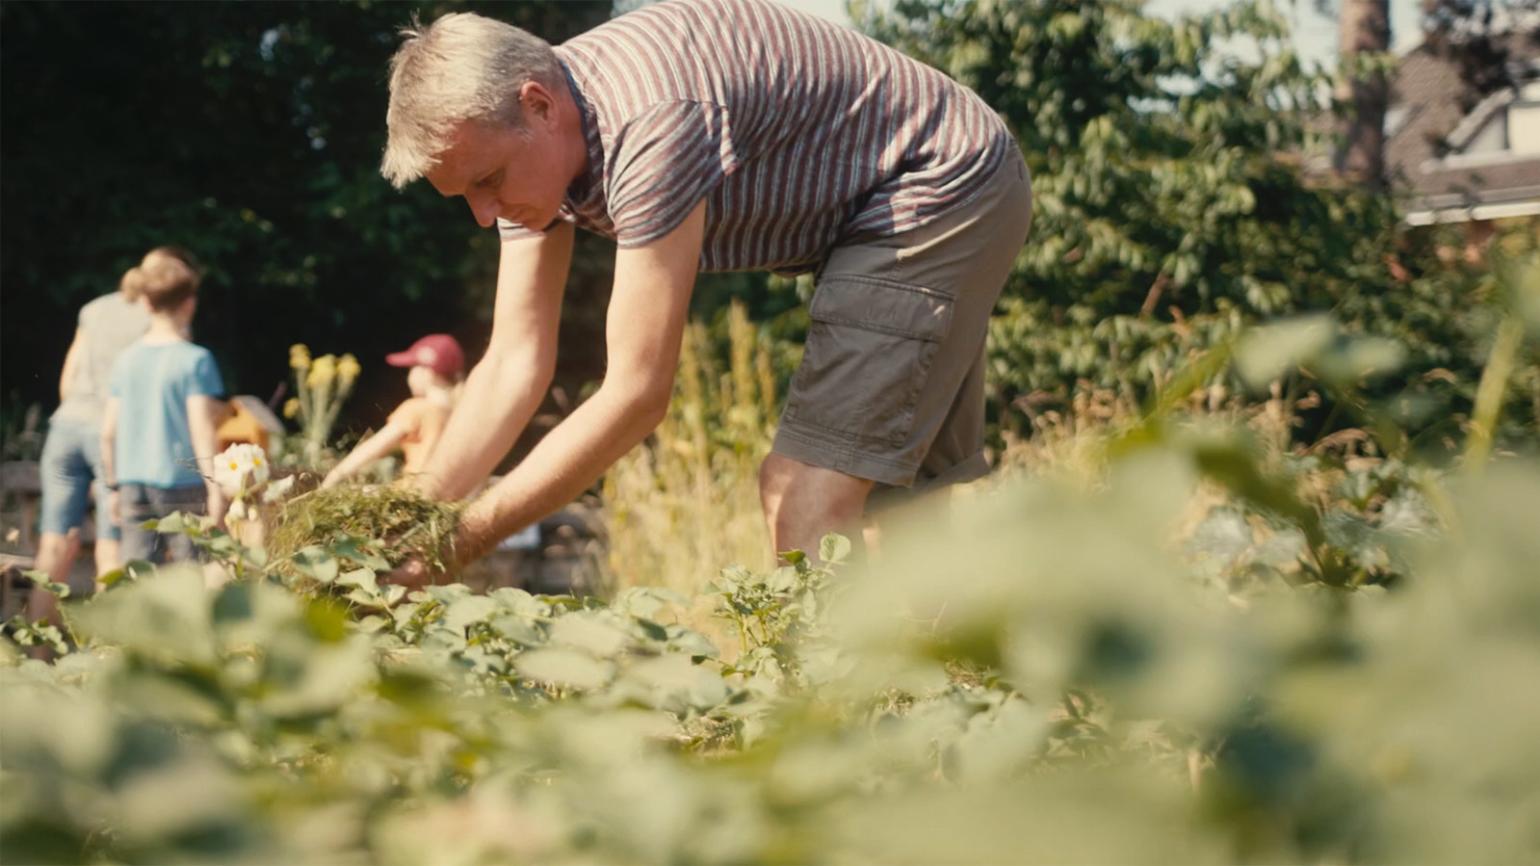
1363,27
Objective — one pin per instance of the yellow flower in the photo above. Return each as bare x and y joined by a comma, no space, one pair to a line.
291,407
322,372
299,356
348,369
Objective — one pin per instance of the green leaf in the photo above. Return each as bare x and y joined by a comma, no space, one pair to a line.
1359,358
591,634
361,578
1270,351
467,610
173,522
316,563
357,551
833,548
563,667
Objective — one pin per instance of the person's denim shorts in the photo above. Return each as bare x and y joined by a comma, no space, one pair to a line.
141,502
70,467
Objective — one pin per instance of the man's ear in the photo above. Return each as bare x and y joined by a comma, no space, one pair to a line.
537,101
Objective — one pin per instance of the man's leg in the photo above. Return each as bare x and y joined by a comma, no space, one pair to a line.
802,503
55,556
64,472
889,396
107,558
107,533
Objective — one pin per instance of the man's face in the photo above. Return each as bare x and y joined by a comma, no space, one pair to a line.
503,172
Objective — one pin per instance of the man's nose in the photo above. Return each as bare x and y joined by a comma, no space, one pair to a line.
484,207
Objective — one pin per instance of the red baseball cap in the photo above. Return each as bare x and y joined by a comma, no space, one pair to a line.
440,352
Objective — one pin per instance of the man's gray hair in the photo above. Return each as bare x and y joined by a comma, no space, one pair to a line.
461,67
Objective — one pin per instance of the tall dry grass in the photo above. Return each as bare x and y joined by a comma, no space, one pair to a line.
686,503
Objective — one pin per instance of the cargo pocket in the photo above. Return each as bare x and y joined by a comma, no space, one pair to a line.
868,352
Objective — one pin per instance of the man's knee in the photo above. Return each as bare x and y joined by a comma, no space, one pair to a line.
800,499
775,476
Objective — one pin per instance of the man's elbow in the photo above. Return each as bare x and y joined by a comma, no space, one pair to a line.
509,368
645,403
654,408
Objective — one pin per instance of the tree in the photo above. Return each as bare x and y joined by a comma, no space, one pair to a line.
1173,205
1482,37
1363,88
251,134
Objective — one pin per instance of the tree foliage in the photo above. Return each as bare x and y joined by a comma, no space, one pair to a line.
1174,200
251,134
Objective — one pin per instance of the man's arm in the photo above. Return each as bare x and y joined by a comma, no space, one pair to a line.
507,384
67,375
645,324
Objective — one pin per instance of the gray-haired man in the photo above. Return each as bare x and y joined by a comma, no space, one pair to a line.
718,135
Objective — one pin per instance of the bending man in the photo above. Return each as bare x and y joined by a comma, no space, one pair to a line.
717,136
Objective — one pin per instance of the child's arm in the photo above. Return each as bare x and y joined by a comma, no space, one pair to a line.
366,452
203,416
109,458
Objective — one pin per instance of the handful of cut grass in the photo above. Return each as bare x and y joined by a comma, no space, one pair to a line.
393,522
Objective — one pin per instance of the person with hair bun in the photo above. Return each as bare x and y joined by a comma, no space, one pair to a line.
166,401
71,463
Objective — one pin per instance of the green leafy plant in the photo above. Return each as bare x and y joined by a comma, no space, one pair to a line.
1220,649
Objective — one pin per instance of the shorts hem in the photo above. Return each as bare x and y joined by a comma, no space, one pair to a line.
841,453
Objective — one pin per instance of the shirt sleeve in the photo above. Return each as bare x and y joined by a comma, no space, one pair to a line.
512,231
665,161
205,380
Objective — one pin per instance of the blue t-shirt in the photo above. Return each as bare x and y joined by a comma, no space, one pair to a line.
152,382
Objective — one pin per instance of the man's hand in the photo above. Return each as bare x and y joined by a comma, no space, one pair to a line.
470,544
645,326
413,574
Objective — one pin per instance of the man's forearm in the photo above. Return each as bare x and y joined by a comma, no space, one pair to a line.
500,396
569,459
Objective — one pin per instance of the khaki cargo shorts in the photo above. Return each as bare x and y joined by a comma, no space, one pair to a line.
891,386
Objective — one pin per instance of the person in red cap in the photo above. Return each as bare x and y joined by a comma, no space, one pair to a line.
436,365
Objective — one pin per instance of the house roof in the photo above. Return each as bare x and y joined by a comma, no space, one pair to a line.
1431,127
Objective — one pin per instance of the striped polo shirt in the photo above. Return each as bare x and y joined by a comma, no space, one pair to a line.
800,134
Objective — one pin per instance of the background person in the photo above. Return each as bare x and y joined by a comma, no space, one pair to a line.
436,365
158,433
71,464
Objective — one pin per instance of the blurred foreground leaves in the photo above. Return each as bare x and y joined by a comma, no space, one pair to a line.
1068,676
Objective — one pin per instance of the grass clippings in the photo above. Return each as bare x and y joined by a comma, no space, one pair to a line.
399,523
